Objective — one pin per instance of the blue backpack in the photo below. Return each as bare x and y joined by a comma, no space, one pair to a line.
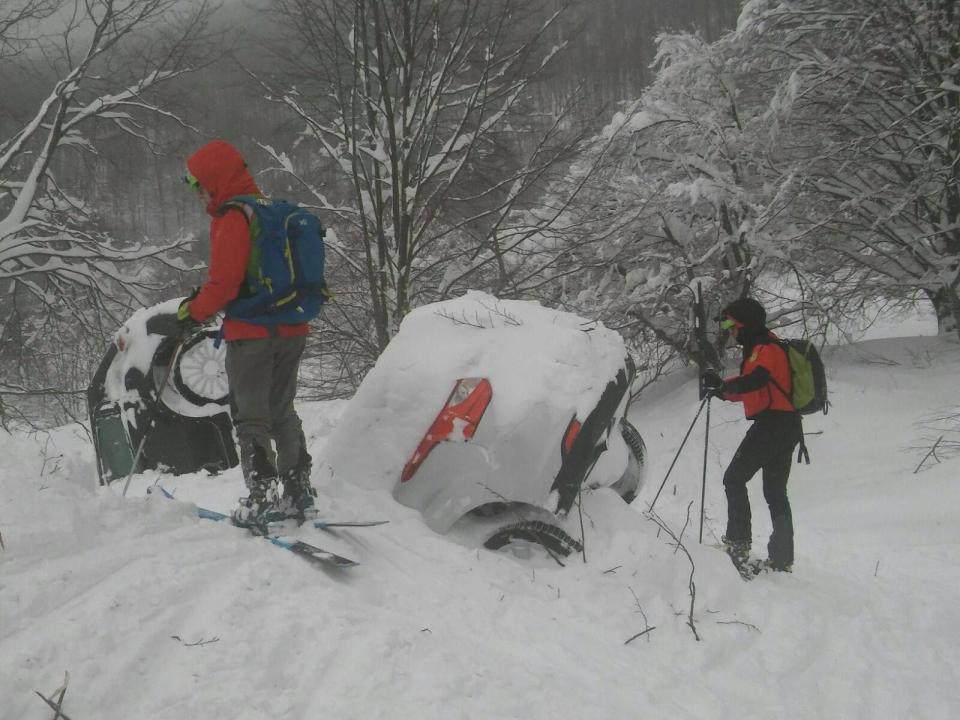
284,281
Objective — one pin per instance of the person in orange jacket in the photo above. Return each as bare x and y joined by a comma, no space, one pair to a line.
762,386
262,361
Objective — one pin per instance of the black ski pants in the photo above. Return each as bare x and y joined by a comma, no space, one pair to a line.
767,446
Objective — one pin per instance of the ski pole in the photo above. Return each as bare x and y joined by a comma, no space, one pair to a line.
143,440
703,486
679,449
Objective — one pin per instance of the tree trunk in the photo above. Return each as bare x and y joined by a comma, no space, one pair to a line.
946,304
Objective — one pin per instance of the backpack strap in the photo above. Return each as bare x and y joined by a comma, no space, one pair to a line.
803,455
245,203
786,356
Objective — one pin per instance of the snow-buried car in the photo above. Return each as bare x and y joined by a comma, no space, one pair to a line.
159,402
494,415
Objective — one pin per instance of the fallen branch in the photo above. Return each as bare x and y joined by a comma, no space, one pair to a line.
639,634
58,705
738,622
933,451
198,643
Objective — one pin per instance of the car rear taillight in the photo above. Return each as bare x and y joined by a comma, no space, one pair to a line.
457,422
570,436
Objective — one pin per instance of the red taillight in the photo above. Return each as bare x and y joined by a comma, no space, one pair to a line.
570,436
457,422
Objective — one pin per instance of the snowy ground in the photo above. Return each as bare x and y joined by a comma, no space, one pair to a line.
157,615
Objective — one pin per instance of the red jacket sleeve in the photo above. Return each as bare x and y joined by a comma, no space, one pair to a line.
229,253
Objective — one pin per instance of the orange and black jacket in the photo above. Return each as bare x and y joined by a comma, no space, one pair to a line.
764,381
220,168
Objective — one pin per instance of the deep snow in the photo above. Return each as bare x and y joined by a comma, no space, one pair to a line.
156,614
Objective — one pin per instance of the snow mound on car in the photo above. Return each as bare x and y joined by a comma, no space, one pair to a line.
528,352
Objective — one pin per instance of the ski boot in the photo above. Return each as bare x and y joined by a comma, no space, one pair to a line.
260,506
739,552
775,566
298,494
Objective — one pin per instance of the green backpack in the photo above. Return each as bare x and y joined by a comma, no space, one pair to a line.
808,383
808,378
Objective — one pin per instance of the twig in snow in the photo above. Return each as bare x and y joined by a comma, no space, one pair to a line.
639,634
498,310
646,623
198,643
583,535
678,545
464,320
57,706
933,451
738,622
612,570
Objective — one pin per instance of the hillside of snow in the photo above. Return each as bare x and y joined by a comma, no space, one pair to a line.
157,615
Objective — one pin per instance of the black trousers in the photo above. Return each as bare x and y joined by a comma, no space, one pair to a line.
767,446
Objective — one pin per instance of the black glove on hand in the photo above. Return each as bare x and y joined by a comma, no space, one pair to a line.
711,384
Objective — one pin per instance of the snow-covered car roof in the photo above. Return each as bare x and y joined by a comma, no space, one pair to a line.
530,354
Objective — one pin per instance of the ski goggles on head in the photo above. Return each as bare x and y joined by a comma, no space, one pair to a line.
728,323
191,181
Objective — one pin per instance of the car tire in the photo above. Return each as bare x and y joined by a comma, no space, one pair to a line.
537,532
190,374
628,485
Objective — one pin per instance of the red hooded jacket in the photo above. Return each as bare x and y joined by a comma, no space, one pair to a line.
220,169
771,357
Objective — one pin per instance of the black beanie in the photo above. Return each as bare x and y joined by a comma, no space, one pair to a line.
747,311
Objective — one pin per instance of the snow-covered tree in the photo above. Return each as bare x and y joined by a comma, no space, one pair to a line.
102,59
868,114
420,143
681,206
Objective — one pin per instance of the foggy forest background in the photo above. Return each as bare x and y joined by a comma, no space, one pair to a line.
639,162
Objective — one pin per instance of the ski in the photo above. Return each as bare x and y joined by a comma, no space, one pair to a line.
311,552
307,551
279,526
325,524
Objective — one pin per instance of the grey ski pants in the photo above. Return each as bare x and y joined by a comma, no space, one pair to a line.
262,374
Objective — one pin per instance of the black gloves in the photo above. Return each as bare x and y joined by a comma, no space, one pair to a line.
711,385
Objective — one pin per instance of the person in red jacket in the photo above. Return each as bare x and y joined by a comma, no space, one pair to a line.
262,361
762,386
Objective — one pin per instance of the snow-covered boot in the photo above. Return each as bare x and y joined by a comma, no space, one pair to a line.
260,506
739,552
775,566
298,493
737,549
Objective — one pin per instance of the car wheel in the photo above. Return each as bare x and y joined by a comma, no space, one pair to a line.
534,532
198,372
628,485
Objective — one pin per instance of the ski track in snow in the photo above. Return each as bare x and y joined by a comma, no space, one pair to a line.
425,627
